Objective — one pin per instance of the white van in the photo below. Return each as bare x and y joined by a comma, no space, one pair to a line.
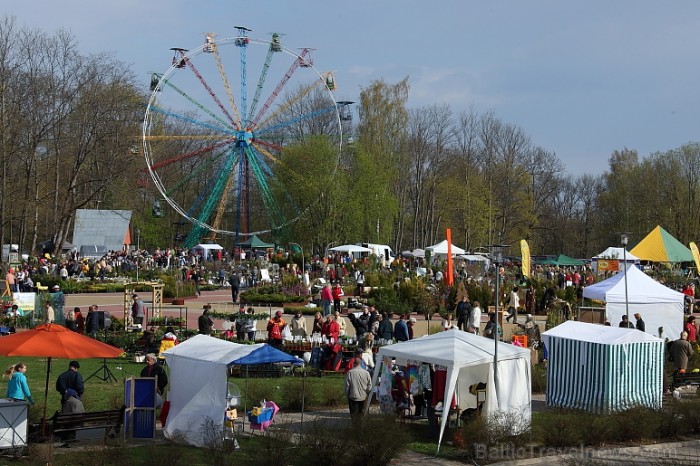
381,250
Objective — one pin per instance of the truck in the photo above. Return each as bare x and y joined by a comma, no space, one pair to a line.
381,250
10,253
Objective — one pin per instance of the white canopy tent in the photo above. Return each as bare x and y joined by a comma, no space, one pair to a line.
350,249
206,249
658,305
440,249
470,360
618,254
198,382
474,258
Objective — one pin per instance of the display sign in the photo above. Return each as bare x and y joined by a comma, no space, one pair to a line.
610,265
25,301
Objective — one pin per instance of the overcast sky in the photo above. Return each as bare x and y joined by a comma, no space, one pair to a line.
582,79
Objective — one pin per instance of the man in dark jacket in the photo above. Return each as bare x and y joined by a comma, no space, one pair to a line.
70,379
153,369
401,329
463,311
235,282
204,322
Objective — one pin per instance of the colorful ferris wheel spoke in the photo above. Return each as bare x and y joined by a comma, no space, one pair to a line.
199,105
224,77
266,153
214,196
286,106
287,76
212,94
259,143
295,121
277,218
188,155
195,122
275,46
207,166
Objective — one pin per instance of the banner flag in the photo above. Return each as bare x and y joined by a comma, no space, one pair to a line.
525,252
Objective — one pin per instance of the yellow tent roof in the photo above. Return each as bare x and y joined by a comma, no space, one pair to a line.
660,246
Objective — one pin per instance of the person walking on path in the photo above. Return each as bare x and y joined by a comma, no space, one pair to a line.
235,281
358,384
137,310
463,312
513,305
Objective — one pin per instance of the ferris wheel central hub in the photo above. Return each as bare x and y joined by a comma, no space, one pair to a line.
244,137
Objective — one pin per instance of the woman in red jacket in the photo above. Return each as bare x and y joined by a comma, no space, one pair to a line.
331,329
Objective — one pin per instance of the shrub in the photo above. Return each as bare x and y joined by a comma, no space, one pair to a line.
376,439
486,433
332,395
296,394
594,429
557,429
636,424
538,379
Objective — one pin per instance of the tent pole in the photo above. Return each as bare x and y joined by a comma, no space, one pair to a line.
303,398
46,397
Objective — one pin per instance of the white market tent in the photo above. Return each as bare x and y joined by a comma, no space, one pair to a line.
440,249
658,305
603,369
472,258
469,360
350,249
198,382
206,249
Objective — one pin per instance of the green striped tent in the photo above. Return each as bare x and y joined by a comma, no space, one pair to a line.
603,369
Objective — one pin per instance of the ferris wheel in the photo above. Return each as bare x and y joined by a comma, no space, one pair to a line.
216,128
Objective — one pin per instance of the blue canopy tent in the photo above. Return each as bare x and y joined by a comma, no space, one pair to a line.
263,353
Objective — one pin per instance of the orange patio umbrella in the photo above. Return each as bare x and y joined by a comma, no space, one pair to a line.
54,341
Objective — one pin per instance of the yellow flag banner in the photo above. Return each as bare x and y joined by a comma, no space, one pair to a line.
696,255
525,253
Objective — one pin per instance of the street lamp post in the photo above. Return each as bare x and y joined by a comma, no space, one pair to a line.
138,246
624,239
496,251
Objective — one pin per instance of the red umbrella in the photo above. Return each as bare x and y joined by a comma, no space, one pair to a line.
55,341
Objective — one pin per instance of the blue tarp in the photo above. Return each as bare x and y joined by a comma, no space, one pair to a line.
264,355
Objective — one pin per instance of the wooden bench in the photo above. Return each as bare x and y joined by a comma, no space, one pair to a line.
110,420
686,378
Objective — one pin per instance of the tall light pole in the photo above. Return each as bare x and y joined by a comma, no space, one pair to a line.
624,239
138,246
496,251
